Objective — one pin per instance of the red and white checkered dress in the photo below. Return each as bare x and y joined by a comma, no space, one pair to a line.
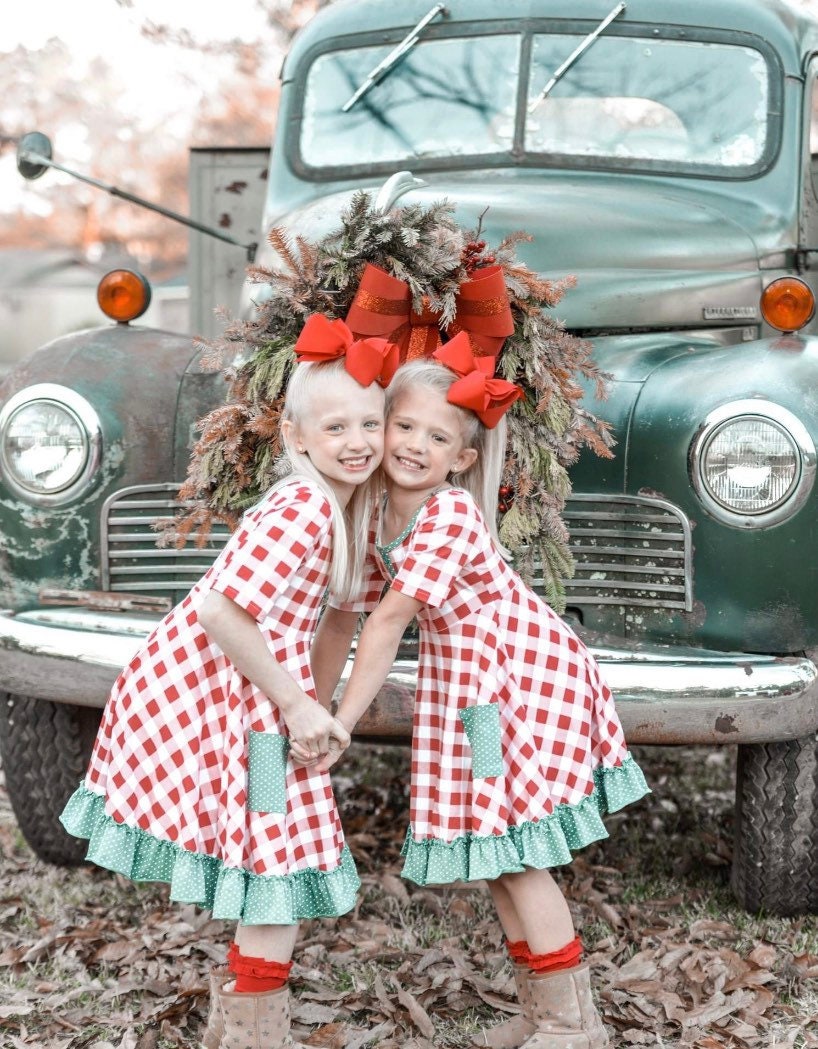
171,753
486,638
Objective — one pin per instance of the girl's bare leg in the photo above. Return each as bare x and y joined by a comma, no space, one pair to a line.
506,911
538,913
274,943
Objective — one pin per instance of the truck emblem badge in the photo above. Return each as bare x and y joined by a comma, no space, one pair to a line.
721,313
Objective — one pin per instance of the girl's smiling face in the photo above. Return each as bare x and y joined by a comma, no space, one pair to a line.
424,440
342,432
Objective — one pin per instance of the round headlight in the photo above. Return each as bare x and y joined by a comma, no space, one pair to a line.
50,443
752,463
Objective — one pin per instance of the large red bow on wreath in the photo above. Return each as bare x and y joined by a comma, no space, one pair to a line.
476,389
367,360
383,306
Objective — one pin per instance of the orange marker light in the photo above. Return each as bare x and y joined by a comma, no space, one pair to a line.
787,304
123,295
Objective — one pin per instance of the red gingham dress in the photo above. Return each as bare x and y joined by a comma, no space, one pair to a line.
487,638
171,754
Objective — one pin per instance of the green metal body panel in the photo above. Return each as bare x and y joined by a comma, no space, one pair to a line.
755,590
132,377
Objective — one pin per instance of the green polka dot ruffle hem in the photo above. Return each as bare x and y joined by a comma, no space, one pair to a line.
230,893
545,843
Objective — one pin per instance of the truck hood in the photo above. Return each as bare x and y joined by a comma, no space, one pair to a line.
643,255
613,236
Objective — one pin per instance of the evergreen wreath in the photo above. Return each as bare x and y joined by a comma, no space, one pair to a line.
237,457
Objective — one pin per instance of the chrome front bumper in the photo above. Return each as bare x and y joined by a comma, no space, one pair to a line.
663,694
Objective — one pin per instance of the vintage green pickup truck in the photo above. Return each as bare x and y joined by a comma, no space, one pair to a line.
659,151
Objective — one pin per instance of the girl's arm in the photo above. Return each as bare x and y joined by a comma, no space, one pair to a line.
328,656
375,654
330,650
237,634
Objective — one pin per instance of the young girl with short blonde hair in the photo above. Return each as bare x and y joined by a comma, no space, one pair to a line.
517,748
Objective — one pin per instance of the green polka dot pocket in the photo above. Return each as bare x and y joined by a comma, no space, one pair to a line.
482,725
267,772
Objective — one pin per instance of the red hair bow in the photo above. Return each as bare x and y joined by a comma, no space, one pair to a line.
366,360
476,389
383,306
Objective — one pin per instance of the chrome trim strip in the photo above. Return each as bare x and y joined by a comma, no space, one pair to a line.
85,620
113,519
590,566
577,600
168,587
148,504
616,533
164,552
621,584
662,695
144,537
137,570
670,555
595,515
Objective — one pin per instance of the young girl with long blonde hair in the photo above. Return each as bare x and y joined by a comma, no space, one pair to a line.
192,779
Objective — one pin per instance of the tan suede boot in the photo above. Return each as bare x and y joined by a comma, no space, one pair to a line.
213,1032
564,1012
256,1021
511,1034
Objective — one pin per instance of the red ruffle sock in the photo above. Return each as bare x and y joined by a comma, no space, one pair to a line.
255,975
565,958
518,951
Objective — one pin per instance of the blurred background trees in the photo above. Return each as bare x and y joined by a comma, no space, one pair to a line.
106,125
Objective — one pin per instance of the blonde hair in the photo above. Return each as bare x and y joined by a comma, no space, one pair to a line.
350,523
482,479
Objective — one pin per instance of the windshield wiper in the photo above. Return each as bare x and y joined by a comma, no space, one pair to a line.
571,59
394,56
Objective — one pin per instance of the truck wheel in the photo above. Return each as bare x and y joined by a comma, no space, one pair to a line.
775,857
45,749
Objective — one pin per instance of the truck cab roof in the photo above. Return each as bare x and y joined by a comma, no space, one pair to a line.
793,35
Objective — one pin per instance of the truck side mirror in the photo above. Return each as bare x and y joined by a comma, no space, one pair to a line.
33,150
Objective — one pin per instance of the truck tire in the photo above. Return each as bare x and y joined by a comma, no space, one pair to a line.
775,857
45,749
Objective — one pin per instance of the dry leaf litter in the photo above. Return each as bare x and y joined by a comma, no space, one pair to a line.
90,961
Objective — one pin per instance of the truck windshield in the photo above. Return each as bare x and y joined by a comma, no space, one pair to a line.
446,98
692,103
642,103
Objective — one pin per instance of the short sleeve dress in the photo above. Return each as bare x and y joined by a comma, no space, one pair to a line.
517,748
189,780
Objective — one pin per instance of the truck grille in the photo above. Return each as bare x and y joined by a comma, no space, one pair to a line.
629,550
131,561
